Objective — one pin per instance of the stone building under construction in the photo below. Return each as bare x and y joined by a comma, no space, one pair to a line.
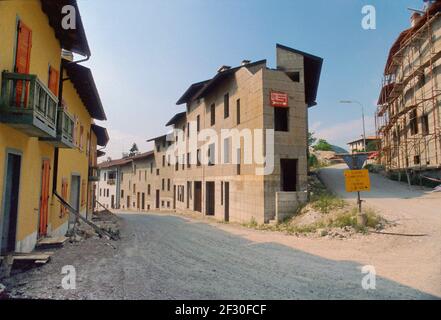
408,113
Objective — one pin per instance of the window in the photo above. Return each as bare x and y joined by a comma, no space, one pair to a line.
226,105
188,160
151,167
425,124
211,154
227,147
188,129
280,119
105,176
413,122
122,193
177,163
148,189
157,172
139,175
416,159
238,111
183,161
163,184
145,175
168,161
212,114
134,188
198,123
168,184
163,160
101,192
158,147
168,204
198,157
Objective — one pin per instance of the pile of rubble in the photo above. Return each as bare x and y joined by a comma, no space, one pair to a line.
104,224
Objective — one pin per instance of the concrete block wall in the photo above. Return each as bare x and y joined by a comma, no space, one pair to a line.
287,203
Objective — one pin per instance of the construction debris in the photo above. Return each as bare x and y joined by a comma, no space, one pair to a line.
32,257
3,293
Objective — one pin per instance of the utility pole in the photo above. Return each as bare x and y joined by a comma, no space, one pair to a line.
362,118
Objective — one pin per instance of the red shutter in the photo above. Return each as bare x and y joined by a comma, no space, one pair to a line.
53,81
24,44
64,185
22,61
44,200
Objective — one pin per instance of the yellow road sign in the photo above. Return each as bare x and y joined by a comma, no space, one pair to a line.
357,180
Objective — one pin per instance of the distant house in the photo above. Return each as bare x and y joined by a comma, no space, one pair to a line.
358,145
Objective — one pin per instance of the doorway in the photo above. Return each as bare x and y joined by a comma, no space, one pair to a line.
188,194
288,174
227,201
157,198
209,198
112,201
44,198
174,197
11,189
137,201
197,205
143,201
74,197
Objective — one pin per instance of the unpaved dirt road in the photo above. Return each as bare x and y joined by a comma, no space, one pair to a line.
415,261
169,257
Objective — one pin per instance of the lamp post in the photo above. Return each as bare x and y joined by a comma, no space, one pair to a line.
362,117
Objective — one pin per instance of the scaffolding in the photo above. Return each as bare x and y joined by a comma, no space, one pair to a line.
407,119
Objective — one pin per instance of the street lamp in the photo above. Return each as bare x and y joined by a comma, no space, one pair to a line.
362,117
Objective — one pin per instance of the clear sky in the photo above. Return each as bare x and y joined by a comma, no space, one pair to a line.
146,53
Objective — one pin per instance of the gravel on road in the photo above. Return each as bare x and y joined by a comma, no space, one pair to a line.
168,257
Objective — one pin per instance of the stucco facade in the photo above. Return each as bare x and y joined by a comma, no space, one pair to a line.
34,163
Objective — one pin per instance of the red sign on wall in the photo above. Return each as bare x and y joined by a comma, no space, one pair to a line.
279,99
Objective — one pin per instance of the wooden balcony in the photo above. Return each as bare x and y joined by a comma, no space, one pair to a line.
94,174
65,125
27,105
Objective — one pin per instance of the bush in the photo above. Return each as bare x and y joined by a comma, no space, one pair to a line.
326,202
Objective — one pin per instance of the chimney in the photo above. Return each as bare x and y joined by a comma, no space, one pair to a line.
245,62
67,55
414,19
223,68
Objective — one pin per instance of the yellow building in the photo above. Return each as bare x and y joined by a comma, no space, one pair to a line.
47,135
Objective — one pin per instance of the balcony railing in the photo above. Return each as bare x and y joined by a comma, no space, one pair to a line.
65,127
28,105
94,174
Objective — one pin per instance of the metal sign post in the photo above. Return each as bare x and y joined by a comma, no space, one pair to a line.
357,179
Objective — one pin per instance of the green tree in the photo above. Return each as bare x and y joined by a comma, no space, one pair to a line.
323,145
311,139
133,150
371,146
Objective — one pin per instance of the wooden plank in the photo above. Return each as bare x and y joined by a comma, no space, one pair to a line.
52,241
31,257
